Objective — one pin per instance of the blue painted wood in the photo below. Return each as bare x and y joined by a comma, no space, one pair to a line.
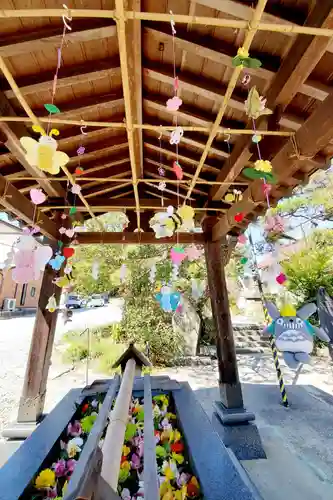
92,442
220,477
151,488
21,468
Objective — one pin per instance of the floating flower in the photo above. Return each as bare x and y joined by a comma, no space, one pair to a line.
135,462
126,494
193,487
174,103
241,52
60,468
177,447
74,429
45,479
87,422
263,166
71,464
281,278
126,450
74,446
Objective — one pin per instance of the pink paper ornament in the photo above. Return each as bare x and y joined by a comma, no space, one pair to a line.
63,216
174,103
70,232
281,278
37,196
81,150
242,239
62,230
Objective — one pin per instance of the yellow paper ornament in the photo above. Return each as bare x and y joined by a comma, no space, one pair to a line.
288,310
43,154
51,304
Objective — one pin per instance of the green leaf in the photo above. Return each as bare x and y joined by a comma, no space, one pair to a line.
254,63
60,244
130,431
52,108
72,210
140,416
237,61
161,452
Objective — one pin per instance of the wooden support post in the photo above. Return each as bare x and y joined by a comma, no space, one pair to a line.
230,388
34,388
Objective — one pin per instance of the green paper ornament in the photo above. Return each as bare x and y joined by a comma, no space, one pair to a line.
251,173
52,108
243,260
72,210
60,244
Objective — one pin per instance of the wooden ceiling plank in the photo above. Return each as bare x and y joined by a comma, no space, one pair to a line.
68,76
107,190
38,40
129,34
310,139
168,190
13,133
303,56
142,238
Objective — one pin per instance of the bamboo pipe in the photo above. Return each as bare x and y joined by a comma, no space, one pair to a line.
163,17
119,179
221,130
110,207
251,31
115,434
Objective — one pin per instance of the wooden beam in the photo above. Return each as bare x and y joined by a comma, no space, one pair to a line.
210,51
38,40
132,93
15,202
137,238
72,75
313,136
124,203
13,133
303,57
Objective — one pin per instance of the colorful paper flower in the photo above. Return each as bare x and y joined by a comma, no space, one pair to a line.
76,189
87,422
71,464
263,166
60,468
74,446
45,479
74,429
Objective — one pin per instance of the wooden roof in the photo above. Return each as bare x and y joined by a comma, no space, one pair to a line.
116,76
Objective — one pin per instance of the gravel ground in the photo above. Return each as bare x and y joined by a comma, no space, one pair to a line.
15,339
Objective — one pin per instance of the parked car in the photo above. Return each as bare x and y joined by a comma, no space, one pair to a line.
95,301
75,302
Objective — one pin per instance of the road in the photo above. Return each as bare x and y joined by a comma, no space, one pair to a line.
15,338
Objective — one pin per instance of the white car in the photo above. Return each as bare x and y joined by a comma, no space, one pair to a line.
96,301
75,302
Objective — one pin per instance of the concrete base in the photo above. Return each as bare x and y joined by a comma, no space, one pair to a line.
19,430
7,449
232,416
244,439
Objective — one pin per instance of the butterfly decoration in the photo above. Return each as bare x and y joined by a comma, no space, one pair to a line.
29,259
57,262
255,105
176,135
168,300
43,154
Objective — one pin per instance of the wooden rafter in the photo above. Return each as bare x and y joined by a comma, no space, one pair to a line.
73,75
252,29
129,71
144,238
51,37
310,138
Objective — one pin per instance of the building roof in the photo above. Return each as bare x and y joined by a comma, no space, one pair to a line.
116,74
